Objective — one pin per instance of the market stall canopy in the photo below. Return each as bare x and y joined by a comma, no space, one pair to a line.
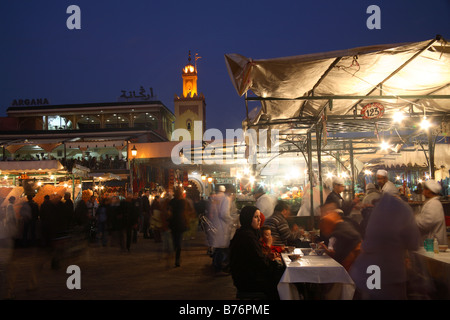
104,176
13,167
301,86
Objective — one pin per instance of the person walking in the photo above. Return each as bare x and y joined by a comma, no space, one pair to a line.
45,217
156,219
34,219
146,214
102,221
130,221
219,214
390,234
177,222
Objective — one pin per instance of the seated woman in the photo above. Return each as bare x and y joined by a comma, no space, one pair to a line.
251,269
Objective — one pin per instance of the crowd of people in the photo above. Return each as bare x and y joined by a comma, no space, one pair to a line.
385,235
92,162
247,243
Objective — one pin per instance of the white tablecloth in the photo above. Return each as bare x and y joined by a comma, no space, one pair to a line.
314,269
438,267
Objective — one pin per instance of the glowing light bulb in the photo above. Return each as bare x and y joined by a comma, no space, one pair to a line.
398,117
384,145
425,124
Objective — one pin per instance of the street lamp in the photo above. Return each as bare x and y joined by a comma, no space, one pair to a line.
133,155
134,151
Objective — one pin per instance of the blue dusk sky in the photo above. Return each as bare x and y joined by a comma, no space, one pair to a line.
123,45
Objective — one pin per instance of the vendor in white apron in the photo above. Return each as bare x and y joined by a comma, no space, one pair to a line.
431,219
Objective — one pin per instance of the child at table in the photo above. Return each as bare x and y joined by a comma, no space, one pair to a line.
273,252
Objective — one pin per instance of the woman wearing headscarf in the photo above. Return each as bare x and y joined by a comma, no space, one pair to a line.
251,269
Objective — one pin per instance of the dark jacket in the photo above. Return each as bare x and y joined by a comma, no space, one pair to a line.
177,219
336,198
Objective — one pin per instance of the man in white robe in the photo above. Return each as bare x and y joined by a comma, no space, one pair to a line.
431,219
385,185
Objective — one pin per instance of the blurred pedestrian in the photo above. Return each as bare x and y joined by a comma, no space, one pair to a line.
139,213
146,213
220,217
11,222
130,221
431,219
390,234
8,273
69,208
25,222
115,222
344,241
80,220
102,221
166,234
177,222
45,216
370,199
156,219
34,218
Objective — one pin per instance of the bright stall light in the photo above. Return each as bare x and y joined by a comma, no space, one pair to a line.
425,124
384,145
398,117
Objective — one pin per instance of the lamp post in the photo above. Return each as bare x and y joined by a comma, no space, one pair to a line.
133,155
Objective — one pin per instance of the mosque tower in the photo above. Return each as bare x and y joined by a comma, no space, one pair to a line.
191,105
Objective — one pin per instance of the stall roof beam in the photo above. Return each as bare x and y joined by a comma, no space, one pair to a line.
348,97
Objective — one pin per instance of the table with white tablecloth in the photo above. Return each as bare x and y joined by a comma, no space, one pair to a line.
315,269
437,266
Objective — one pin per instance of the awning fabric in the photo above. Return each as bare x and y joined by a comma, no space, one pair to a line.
419,68
10,167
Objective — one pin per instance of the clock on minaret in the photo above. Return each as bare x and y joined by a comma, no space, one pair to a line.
190,106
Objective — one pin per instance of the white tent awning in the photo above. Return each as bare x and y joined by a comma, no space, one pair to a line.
419,68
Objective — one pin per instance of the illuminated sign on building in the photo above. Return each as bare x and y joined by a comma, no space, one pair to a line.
29,102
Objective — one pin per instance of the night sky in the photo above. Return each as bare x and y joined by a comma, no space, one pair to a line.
123,45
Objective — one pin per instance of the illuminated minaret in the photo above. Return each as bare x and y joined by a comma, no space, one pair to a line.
191,106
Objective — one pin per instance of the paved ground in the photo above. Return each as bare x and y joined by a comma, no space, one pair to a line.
107,273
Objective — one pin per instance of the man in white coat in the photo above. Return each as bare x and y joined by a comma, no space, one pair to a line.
431,219
385,185
219,214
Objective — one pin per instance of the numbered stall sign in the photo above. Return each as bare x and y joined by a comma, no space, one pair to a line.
372,111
